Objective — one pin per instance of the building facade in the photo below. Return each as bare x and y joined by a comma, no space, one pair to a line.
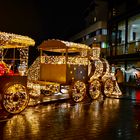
124,37
115,26
95,31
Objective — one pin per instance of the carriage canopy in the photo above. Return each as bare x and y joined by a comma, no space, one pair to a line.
53,45
10,40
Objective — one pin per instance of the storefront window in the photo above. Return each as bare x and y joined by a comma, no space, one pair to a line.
113,40
121,33
104,31
103,45
121,38
134,34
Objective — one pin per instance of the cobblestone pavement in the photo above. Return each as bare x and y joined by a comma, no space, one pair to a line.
103,119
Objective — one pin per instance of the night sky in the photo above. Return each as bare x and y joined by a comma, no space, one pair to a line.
42,19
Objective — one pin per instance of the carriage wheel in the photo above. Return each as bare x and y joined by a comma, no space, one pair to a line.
15,98
78,91
95,89
109,87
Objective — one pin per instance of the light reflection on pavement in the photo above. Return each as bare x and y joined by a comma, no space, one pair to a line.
100,119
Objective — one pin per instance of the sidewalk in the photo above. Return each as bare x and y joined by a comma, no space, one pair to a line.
131,91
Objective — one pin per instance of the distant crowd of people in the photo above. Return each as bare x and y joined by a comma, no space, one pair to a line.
132,74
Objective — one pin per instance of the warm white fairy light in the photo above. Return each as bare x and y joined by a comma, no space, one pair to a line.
22,43
95,89
75,45
62,60
102,70
95,53
79,91
36,89
34,70
23,60
14,40
98,70
84,53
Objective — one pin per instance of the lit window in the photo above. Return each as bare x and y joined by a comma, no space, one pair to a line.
104,31
103,45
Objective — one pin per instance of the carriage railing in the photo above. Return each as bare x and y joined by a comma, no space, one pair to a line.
61,60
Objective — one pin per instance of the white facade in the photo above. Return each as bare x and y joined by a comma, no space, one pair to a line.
94,33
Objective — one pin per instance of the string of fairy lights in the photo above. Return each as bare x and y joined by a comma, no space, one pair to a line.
19,42
15,40
101,70
86,55
62,60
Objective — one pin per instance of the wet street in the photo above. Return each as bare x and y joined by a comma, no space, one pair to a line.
103,119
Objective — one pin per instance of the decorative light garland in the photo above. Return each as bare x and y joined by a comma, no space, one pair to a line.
22,43
99,75
34,70
10,40
62,60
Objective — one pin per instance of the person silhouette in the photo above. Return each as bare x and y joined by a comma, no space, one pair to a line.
120,78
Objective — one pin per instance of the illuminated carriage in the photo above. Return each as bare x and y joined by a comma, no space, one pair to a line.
72,68
14,49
